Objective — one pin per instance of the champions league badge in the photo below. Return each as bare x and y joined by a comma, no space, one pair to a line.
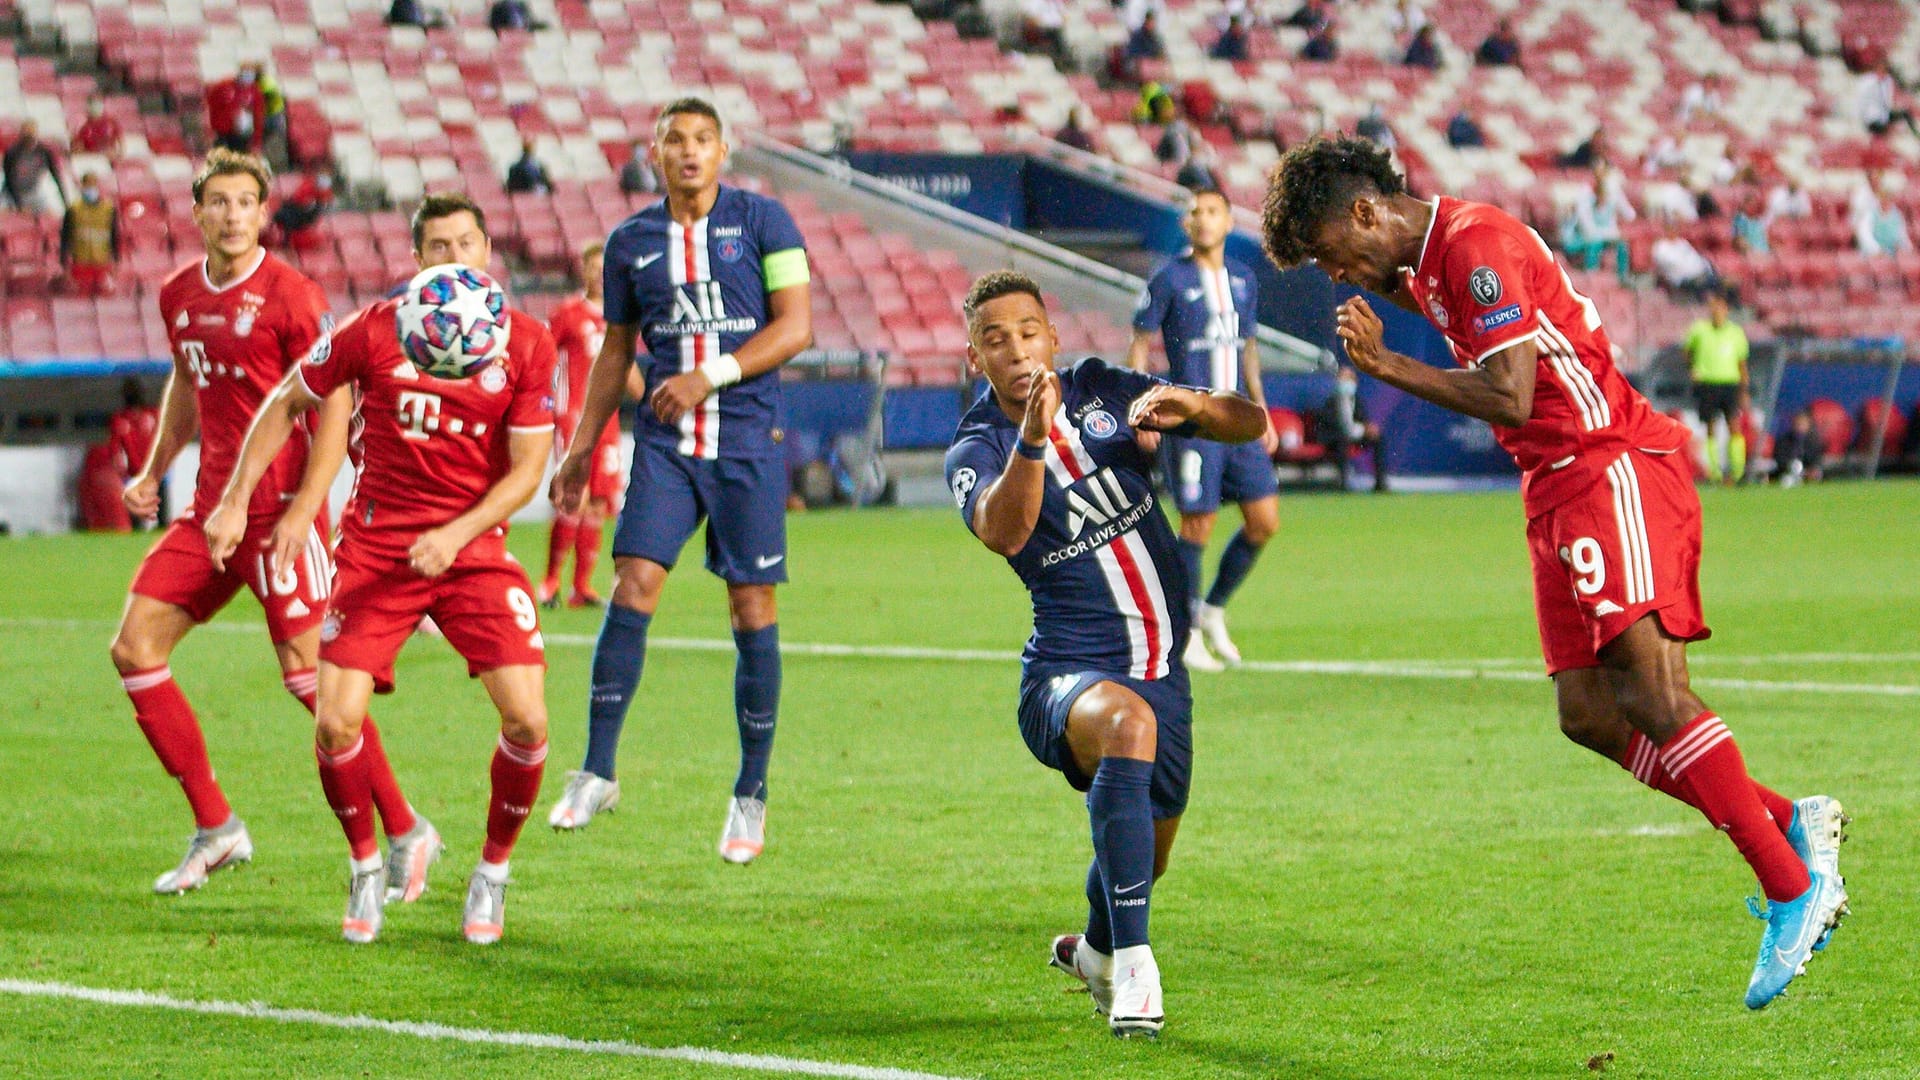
494,379
1100,424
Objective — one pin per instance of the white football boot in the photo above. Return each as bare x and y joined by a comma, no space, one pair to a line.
1212,624
1138,1008
1071,954
585,796
1197,658
485,917
408,857
366,904
745,834
209,850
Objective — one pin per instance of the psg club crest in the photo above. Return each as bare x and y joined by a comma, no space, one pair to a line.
494,379
1100,424
731,249
1484,284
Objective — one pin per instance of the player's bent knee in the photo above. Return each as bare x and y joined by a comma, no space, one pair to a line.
527,727
334,730
1130,732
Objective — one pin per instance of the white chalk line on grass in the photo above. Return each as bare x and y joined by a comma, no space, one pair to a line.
1498,669
255,1010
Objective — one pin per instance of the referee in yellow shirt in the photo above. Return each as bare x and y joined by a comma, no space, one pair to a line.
1717,354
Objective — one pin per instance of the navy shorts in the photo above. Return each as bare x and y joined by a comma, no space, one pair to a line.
1045,701
1203,473
743,501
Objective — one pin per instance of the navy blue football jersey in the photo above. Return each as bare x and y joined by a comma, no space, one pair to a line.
1205,318
695,292
1109,589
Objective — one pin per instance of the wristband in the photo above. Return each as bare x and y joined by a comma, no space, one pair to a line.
1031,453
722,371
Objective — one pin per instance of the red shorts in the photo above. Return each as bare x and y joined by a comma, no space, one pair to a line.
179,571
483,604
608,481
1627,546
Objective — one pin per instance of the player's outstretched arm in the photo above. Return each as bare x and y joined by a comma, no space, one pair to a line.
271,428
1257,393
1220,416
179,423
1005,514
607,380
527,452
331,431
1140,350
789,329
1498,390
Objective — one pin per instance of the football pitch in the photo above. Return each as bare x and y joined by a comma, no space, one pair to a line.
1393,864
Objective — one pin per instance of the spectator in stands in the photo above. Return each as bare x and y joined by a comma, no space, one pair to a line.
1750,227
637,176
1680,267
1373,128
1879,228
1176,142
1593,228
1716,350
1789,199
1074,133
274,122
1501,48
1144,43
1322,46
1340,424
1196,173
99,133
1594,149
1464,132
1311,16
1155,106
528,176
1703,99
1405,20
26,167
415,13
299,215
512,15
1423,51
1875,102
1043,26
1798,456
1664,156
1233,45
1135,12
90,240
1668,201
237,111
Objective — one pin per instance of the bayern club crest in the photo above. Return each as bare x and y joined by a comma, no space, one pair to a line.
1438,309
1100,424
494,379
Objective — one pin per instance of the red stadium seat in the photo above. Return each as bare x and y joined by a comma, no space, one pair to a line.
1830,419
1875,413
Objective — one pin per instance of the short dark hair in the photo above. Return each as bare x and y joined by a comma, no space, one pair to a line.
696,106
995,284
1193,195
446,204
1315,181
224,162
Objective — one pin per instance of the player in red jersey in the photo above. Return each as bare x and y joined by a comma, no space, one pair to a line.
1612,518
237,321
579,326
447,461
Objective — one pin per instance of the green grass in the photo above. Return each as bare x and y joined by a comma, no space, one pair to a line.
1378,877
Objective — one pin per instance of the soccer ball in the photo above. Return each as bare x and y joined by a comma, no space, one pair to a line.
452,321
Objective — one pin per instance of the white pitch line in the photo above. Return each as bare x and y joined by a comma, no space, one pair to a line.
1499,669
255,1010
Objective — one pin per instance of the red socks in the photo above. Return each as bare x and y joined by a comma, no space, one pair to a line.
170,727
395,813
343,776
1703,758
586,552
516,784
560,538
1643,761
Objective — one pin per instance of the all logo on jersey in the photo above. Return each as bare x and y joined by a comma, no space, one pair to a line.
1484,284
1103,500
963,483
1100,424
699,307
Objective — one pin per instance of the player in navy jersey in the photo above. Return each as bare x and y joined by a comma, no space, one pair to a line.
711,283
1053,469
1204,306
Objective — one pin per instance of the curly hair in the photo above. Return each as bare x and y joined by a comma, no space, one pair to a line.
1313,182
996,284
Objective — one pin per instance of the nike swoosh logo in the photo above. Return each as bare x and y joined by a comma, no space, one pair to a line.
765,561
1129,888
644,261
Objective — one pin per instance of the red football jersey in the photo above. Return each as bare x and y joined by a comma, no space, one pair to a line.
578,329
130,437
237,342
1487,282
432,446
